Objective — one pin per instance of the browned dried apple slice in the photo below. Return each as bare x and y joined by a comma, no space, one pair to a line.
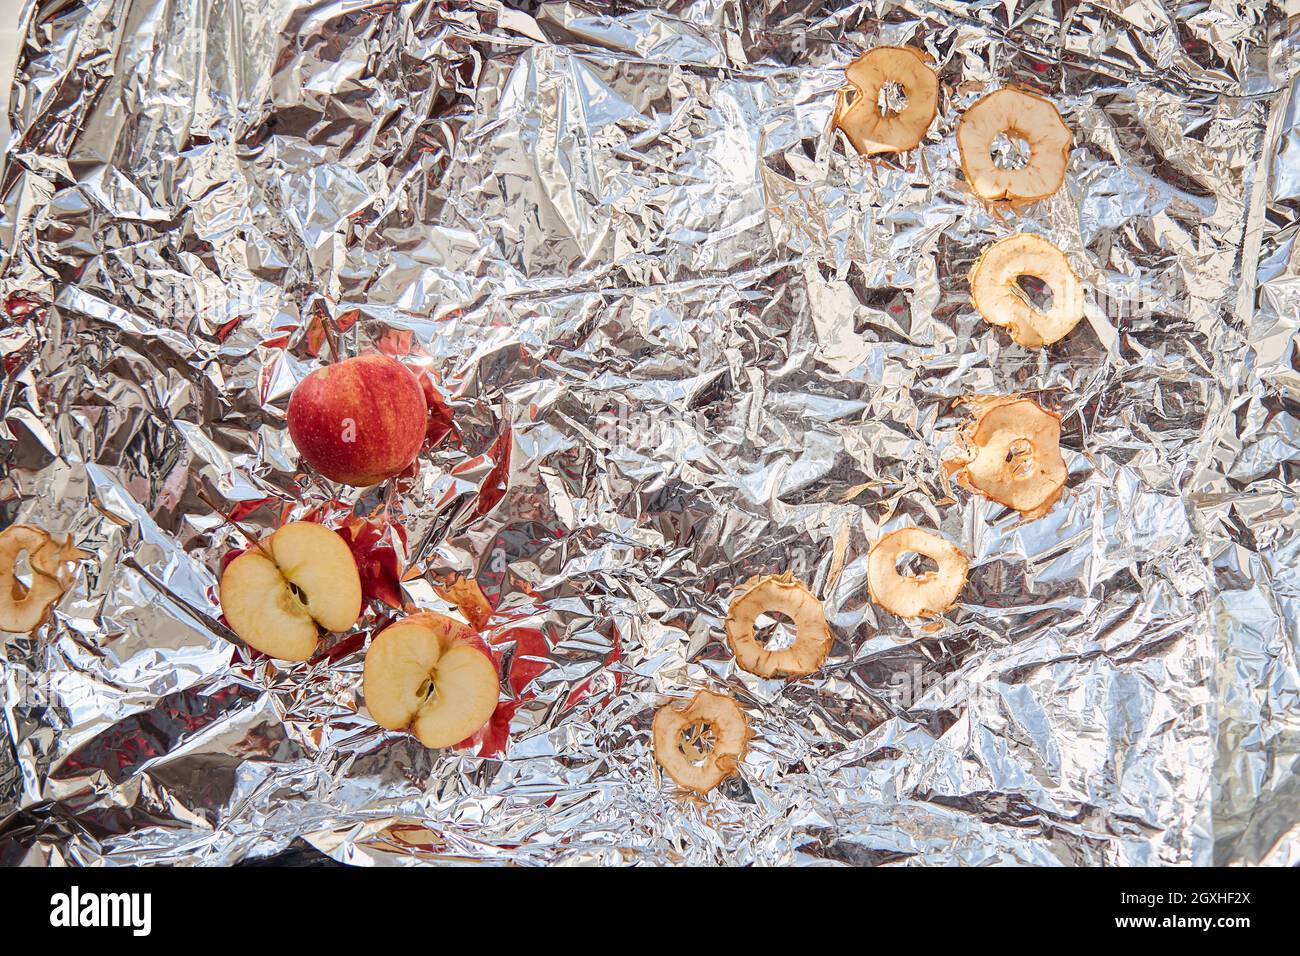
22,608
915,595
996,293
1018,115
894,98
778,593
700,743
1015,456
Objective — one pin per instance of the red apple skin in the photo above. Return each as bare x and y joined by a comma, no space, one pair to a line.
383,402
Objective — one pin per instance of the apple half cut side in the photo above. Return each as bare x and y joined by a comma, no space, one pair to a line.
432,675
279,595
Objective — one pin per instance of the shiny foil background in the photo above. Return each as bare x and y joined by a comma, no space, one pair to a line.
688,336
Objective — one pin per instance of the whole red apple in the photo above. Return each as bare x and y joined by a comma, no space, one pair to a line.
359,421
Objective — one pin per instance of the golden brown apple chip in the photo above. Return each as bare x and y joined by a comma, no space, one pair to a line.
1018,115
779,593
894,98
996,293
700,743
915,595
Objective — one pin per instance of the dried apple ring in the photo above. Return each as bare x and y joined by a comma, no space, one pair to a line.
1025,116
23,608
781,593
700,744
1017,456
915,595
895,98
998,297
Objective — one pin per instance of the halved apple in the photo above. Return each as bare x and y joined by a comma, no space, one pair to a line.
278,595
431,674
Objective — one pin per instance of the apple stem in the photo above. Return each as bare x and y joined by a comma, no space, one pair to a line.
244,533
331,338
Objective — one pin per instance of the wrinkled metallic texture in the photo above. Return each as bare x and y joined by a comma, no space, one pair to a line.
702,341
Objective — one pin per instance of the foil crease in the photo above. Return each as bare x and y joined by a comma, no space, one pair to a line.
687,336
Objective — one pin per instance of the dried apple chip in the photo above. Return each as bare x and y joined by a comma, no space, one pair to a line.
895,98
1015,456
780,593
915,595
996,293
1015,114
22,608
700,743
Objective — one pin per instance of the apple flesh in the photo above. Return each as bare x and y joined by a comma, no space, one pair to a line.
359,421
430,674
278,595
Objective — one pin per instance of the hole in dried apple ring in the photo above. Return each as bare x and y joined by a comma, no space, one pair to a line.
22,570
1009,150
697,741
1036,291
1020,459
775,630
913,564
892,98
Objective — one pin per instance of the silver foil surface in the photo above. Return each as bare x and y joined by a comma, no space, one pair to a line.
687,336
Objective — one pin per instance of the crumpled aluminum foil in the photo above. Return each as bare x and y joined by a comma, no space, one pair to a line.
694,338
